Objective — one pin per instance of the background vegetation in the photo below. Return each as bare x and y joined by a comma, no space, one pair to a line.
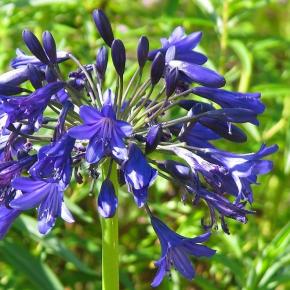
247,40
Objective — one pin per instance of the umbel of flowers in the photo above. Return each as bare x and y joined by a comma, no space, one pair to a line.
123,127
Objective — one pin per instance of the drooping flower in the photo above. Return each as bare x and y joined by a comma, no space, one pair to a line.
139,175
104,131
242,169
176,250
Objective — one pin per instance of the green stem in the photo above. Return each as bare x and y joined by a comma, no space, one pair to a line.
110,242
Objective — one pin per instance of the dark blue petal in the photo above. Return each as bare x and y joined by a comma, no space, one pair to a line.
227,99
107,200
191,57
89,114
182,263
49,46
198,250
83,132
199,74
34,46
222,128
33,192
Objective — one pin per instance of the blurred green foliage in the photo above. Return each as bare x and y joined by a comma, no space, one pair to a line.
247,40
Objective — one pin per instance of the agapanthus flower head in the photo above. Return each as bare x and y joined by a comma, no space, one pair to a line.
164,126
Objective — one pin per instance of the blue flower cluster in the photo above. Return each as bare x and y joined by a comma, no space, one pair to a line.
95,127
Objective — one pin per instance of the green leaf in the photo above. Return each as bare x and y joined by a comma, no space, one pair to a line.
32,267
28,225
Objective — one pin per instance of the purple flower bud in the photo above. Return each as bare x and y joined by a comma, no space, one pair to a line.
35,76
157,68
107,200
153,138
49,46
119,56
102,61
142,51
171,79
103,25
34,46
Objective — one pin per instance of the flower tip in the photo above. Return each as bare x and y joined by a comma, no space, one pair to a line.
103,25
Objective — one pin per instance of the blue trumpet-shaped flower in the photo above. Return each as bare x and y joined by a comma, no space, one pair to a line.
104,131
242,169
175,251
